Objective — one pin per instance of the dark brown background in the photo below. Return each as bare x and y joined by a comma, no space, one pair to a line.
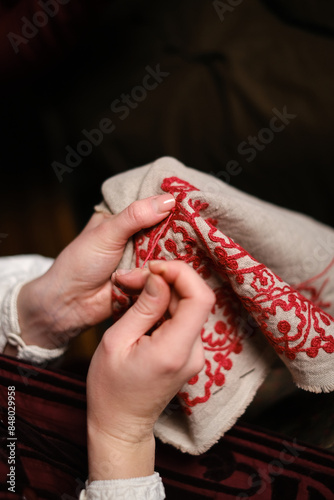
226,76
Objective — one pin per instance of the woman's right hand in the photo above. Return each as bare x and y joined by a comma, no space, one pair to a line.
133,376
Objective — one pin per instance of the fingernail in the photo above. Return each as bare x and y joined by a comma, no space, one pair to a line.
152,287
163,203
123,271
119,272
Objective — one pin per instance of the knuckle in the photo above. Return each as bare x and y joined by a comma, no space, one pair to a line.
208,297
172,364
136,213
198,363
143,308
108,342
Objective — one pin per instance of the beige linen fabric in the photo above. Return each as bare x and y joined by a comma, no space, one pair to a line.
273,275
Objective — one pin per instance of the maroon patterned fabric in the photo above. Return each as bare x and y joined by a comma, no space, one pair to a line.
248,463
51,458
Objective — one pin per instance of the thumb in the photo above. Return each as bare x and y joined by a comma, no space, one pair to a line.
151,305
140,214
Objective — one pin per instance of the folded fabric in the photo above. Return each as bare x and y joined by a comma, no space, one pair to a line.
273,275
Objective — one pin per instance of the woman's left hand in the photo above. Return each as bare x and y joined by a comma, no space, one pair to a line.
76,292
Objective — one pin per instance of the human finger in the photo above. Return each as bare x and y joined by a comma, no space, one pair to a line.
96,219
114,233
196,299
131,281
144,314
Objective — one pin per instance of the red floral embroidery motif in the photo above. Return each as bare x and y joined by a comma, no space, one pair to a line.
223,340
244,288
268,298
176,242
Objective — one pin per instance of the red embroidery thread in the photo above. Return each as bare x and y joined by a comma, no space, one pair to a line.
245,286
157,238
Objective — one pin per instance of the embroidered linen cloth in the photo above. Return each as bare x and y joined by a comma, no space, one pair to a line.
273,276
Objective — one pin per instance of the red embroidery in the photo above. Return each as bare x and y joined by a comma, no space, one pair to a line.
121,302
292,323
314,292
177,187
157,238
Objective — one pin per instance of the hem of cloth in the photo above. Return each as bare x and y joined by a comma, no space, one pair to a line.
199,450
326,388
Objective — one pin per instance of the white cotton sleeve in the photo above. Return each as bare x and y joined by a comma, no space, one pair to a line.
138,488
14,273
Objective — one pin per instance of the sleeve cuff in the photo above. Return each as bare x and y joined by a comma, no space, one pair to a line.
12,332
148,487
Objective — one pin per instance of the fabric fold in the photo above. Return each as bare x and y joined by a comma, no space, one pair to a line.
273,276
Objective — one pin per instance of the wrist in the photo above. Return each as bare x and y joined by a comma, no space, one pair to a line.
112,457
38,315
